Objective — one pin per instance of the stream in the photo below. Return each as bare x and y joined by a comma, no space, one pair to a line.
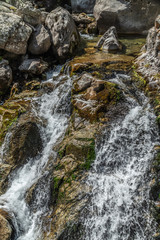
119,207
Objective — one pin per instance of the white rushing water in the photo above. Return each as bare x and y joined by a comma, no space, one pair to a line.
120,204
120,176
54,110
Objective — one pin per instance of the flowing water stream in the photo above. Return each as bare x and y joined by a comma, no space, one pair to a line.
54,109
120,176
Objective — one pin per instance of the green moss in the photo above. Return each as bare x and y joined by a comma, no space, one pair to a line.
56,182
91,155
7,123
139,80
61,196
61,153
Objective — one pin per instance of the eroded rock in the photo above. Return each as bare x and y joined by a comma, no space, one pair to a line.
65,37
109,41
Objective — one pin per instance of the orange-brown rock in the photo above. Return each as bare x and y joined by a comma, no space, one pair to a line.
91,96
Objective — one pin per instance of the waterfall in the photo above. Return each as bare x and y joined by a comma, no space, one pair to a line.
119,208
54,109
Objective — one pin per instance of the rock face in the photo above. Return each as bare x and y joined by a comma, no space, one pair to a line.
129,16
109,41
5,228
149,61
148,64
5,76
33,66
65,37
83,6
14,33
40,41
25,142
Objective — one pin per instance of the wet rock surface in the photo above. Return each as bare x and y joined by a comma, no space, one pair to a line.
24,143
93,96
96,102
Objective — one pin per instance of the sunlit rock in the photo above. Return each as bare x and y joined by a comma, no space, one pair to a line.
109,41
14,33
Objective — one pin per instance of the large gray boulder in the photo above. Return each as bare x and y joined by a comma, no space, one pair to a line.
64,34
5,76
83,6
40,41
14,33
128,16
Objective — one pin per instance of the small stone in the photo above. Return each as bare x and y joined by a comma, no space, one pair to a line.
33,66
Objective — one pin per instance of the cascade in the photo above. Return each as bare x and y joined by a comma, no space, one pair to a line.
120,176
54,109
119,179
